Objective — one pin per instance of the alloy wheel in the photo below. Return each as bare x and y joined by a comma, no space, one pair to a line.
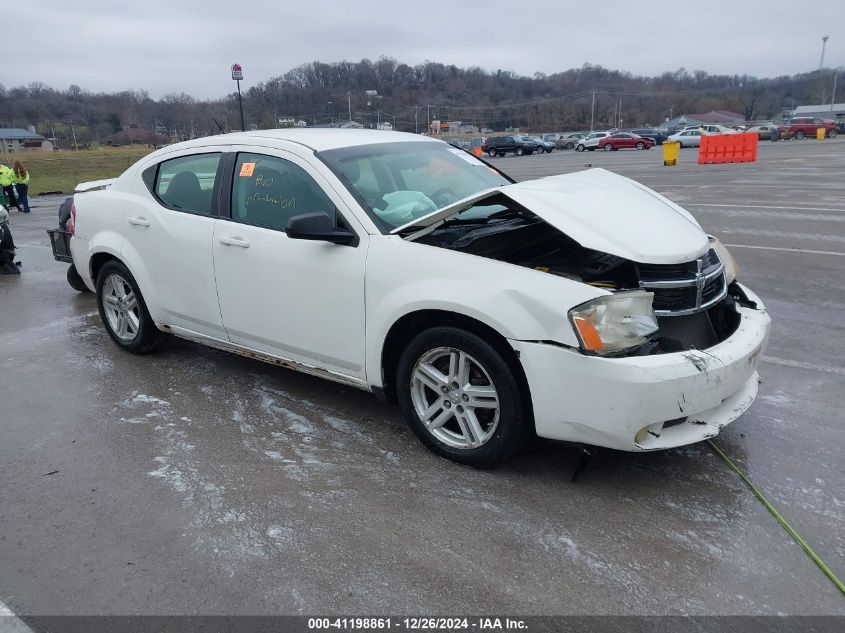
455,398
121,307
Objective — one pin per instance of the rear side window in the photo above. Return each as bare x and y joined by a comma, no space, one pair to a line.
268,191
187,183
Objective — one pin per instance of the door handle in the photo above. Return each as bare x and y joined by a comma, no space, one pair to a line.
234,241
140,221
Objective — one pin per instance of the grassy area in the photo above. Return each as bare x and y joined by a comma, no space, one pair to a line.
62,171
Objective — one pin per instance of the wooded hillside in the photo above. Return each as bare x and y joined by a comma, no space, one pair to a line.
409,95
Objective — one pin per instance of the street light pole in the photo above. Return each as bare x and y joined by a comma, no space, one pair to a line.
593,111
349,103
241,107
824,44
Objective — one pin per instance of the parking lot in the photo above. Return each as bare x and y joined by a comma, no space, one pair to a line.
195,481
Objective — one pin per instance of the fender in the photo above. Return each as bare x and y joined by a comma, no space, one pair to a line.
401,279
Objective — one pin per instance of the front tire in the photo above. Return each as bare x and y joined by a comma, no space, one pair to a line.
460,397
799,134
124,313
579,148
831,133
608,148
519,151
640,145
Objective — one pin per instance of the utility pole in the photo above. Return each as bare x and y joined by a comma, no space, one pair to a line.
349,103
824,44
429,118
593,111
73,132
416,123
833,94
620,114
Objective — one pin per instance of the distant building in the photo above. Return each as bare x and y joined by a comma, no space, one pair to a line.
722,117
285,123
14,139
385,126
834,111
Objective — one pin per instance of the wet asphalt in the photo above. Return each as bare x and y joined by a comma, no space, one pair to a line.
197,482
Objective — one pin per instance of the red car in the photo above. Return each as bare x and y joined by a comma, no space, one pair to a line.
802,126
622,140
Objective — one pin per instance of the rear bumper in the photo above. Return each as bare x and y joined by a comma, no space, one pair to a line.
647,402
79,248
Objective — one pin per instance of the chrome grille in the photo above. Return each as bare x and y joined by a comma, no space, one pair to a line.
686,288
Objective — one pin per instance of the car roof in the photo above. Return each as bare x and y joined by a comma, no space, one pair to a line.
317,139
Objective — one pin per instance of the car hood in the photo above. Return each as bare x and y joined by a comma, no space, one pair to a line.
600,210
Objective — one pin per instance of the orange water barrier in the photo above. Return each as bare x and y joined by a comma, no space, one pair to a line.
728,148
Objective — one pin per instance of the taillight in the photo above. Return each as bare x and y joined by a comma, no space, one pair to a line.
71,223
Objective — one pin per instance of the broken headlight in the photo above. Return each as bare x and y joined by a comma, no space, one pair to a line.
614,323
728,261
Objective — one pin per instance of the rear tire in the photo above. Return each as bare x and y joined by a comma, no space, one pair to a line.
450,365
640,145
579,148
799,134
608,148
519,151
491,152
832,133
75,280
123,311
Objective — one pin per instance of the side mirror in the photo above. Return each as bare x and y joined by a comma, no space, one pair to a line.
320,227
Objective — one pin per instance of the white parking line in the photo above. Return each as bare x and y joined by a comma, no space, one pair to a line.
784,249
10,623
762,206
827,369
813,237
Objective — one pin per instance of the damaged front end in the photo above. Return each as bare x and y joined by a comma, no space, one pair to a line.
694,302
668,352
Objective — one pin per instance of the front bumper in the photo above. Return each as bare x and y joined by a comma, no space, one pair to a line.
645,402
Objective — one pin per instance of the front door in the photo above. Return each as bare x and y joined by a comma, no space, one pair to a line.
296,299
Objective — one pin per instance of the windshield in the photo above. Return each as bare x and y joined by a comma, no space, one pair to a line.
398,183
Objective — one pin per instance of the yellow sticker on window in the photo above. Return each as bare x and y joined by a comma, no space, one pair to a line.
247,169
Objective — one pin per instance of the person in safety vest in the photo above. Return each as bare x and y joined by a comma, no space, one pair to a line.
21,184
7,181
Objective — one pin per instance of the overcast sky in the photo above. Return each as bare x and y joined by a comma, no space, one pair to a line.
188,45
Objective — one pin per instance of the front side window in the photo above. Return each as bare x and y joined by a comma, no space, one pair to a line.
268,191
187,183
398,183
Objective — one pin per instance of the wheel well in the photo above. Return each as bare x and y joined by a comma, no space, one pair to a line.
410,325
98,261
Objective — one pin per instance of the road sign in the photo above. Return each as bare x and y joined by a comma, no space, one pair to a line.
237,72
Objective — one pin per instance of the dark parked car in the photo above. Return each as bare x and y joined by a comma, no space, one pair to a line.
542,145
501,145
655,135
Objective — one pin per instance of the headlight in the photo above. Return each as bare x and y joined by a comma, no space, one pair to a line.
614,323
731,267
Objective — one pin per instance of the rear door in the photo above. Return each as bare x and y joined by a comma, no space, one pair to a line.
296,299
168,232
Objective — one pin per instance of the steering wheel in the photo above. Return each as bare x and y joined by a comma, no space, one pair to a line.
438,197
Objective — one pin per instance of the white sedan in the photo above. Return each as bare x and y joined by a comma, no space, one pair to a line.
688,138
583,307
